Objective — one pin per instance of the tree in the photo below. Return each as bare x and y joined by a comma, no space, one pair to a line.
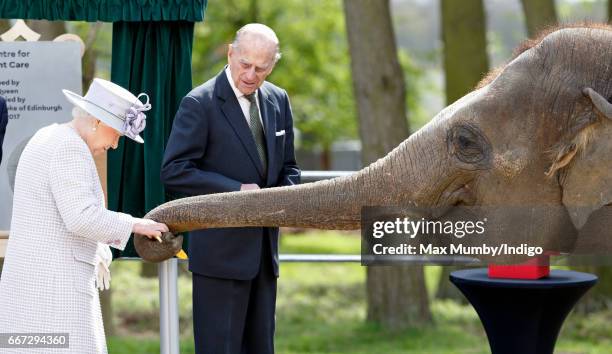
610,11
539,14
465,63
48,30
89,33
4,26
396,295
599,297
465,46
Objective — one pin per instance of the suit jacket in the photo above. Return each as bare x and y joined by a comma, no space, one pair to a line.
211,150
3,122
59,221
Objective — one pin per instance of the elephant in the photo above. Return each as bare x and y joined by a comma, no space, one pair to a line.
528,150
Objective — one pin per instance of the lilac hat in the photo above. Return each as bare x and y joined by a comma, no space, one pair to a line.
115,106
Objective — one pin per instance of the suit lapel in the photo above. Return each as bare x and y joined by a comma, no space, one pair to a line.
267,116
233,113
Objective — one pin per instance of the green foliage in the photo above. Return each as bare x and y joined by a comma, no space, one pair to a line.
98,40
135,300
314,69
414,77
321,242
328,318
576,11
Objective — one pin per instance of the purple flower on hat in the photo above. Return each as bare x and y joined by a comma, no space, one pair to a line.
135,119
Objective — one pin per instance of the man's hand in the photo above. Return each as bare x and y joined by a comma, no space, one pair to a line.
149,228
249,187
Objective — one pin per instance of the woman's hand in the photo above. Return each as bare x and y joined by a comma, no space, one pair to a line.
149,228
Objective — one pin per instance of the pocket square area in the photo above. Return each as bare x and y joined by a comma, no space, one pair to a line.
280,133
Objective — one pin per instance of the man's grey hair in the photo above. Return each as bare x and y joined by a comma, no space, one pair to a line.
263,32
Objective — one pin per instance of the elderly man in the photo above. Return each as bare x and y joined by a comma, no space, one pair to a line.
3,122
233,133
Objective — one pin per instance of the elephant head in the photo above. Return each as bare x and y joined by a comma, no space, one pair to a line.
536,133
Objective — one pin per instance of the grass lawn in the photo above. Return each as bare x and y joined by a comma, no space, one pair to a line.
321,309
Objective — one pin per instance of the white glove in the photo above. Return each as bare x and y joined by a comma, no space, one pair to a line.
104,257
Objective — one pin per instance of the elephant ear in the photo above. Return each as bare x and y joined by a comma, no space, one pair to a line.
587,181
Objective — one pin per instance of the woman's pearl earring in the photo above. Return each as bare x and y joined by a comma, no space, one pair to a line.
94,129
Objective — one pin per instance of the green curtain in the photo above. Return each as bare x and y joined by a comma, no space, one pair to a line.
104,10
155,58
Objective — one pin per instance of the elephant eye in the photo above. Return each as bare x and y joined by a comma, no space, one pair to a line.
468,144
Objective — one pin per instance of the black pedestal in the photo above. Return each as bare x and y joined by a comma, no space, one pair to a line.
522,316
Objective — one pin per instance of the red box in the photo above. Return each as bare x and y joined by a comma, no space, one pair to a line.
535,268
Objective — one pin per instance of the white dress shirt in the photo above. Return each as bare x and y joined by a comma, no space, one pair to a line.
244,102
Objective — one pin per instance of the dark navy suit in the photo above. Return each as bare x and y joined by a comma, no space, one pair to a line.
212,150
3,122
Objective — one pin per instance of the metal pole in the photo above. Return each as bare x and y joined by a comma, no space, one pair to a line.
168,307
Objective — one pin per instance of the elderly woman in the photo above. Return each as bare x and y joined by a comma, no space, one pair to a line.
61,230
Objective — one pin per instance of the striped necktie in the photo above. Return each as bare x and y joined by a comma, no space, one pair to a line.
257,130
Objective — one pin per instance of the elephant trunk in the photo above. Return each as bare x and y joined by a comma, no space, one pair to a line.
399,179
